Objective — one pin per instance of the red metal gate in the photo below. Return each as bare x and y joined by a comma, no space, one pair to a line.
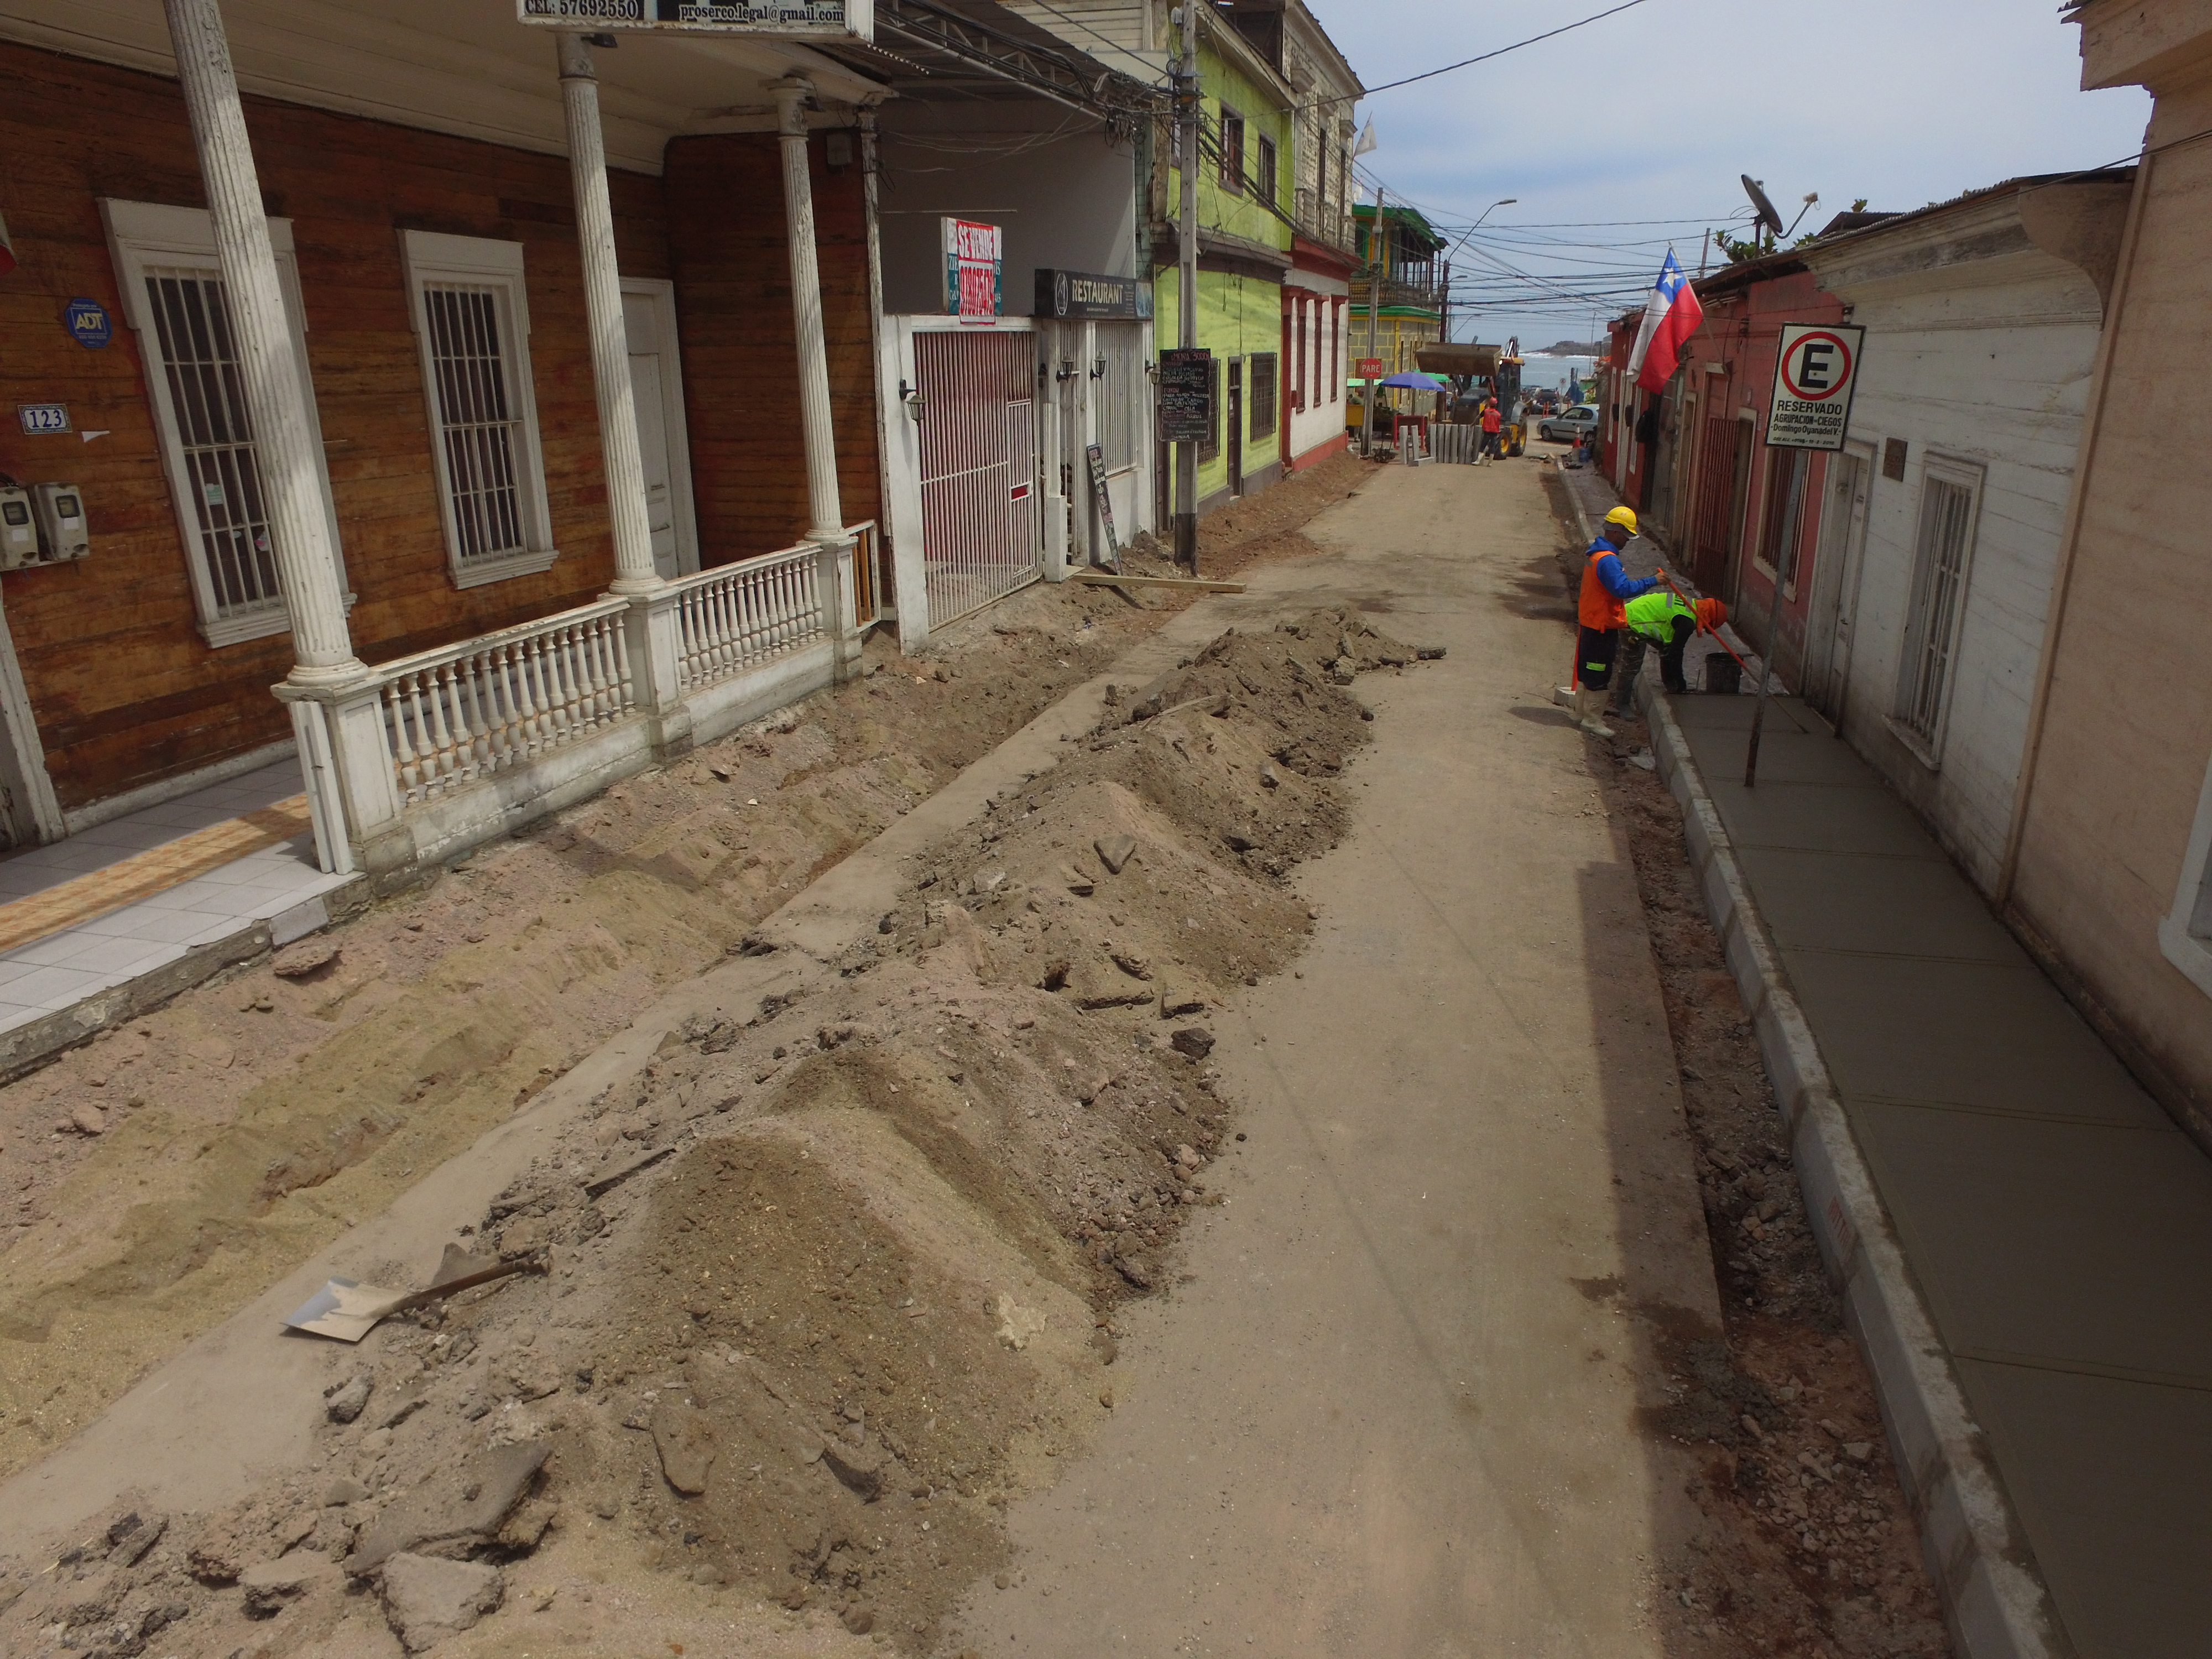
979,492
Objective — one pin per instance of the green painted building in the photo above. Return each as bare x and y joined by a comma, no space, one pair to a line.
1402,259
1244,200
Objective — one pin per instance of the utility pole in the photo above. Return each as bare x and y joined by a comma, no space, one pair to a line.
1376,244
1187,121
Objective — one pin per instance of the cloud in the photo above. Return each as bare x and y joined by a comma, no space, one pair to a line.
1651,115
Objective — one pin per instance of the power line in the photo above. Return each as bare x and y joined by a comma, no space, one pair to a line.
1429,75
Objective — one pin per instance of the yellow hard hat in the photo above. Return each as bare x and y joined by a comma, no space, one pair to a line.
1623,515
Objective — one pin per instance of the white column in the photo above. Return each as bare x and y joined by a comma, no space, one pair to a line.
602,308
291,473
791,96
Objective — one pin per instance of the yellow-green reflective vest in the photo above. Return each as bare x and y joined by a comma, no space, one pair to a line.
1653,613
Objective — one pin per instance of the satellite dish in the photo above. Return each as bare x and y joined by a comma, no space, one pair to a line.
1767,216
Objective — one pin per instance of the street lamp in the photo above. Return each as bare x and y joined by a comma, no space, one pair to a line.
1502,201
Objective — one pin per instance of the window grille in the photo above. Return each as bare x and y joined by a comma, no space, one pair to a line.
175,301
472,313
1263,175
1232,152
1939,582
476,420
1117,418
191,314
1264,397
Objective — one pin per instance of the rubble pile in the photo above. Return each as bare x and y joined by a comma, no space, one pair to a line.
834,1278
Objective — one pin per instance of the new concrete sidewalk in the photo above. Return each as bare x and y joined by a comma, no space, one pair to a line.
2057,1224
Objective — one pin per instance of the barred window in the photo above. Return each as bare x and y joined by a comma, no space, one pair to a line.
472,321
173,296
215,433
1264,396
476,420
1939,588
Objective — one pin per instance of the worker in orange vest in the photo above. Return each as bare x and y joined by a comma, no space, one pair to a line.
1601,614
1493,421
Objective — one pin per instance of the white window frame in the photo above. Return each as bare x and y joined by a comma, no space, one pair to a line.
1969,475
143,235
2185,935
431,256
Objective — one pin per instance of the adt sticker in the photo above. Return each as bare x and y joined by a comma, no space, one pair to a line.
88,324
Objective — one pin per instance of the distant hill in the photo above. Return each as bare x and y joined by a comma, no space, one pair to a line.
1572,348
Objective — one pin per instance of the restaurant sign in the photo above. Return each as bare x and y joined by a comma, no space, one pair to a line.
831,19
1080,295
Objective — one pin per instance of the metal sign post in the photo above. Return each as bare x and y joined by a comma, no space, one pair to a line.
1377,243
1815,374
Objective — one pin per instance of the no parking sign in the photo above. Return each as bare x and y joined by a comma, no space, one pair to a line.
1814,379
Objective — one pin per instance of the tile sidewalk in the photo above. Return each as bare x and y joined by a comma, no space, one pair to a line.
125,898
2058,1225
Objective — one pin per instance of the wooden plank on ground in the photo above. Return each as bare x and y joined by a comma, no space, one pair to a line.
1107,579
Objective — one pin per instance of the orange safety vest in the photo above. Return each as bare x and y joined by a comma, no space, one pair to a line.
1597,608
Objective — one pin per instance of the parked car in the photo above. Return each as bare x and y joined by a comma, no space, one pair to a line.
1569,425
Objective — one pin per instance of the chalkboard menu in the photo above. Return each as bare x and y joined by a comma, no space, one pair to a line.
1186,398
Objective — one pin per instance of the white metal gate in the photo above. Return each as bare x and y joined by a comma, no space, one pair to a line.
978,453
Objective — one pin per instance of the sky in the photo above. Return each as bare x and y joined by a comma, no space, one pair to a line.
1652,114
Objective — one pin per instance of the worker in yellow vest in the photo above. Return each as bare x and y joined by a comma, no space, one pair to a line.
1661,618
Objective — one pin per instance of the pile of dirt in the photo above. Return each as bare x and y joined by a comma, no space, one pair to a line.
162,1175
833,1279
1254,529
1815,1547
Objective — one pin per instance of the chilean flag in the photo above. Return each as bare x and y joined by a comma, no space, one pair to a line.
1670,319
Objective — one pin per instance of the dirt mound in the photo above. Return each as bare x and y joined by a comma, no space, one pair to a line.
834,1277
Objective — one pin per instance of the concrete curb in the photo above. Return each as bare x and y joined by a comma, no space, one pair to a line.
1994,1598
30,1046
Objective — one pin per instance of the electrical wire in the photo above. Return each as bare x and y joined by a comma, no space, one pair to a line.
1466,63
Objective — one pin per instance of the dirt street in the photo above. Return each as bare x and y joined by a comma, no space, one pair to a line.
1212,1176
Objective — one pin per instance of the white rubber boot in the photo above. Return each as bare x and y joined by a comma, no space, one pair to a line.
1590,707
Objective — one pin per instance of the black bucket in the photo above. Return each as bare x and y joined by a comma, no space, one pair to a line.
1723,674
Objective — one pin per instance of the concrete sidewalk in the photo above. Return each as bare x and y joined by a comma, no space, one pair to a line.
2058,1225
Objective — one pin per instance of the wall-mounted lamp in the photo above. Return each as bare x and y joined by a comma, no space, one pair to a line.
1098,368
1067,368
911,398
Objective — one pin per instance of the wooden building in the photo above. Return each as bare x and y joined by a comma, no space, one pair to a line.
485,302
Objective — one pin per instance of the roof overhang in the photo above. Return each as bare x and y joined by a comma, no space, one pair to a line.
465,69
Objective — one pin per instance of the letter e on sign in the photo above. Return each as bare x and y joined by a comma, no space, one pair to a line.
1814,377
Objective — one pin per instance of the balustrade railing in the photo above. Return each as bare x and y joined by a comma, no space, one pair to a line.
461,712
737,615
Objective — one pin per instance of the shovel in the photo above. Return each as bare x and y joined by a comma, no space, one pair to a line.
350,1311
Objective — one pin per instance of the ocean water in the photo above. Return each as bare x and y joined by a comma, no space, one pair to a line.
1555,372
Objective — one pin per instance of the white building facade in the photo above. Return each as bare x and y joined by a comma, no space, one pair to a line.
1943,518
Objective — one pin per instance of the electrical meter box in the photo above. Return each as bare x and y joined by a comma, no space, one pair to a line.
19,532
60,511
